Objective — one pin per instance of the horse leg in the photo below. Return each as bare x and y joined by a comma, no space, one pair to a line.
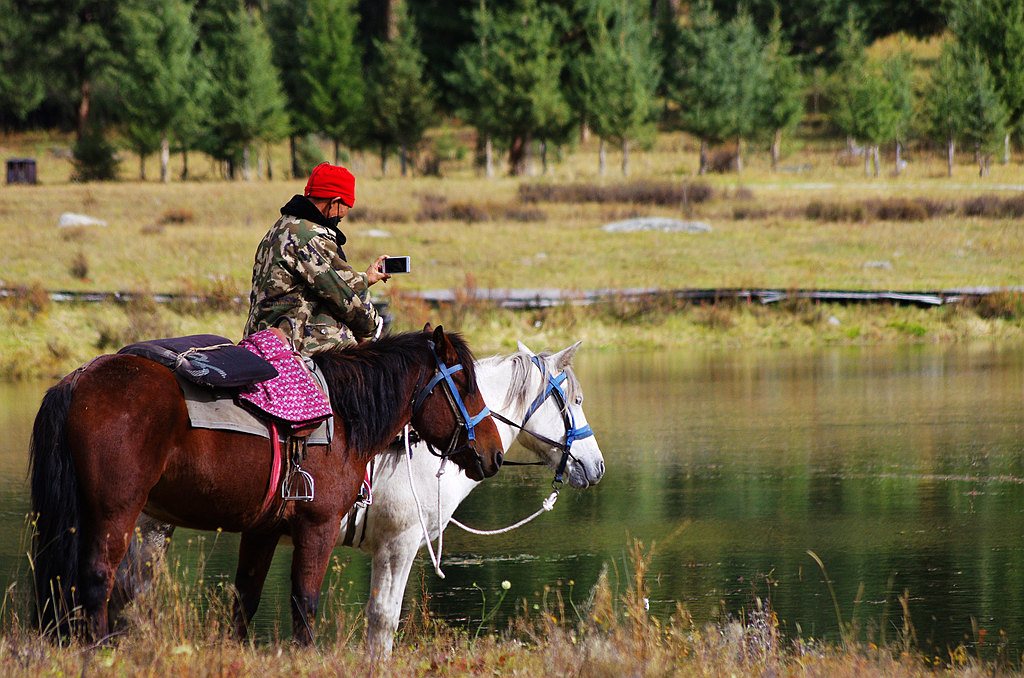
255,553
105,542
135,576
313,545
392,562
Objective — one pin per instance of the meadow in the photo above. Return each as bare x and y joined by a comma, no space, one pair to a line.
815,223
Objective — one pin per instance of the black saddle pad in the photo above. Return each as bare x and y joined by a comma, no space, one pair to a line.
206,359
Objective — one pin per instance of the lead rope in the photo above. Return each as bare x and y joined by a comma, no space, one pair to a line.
546,505
436,560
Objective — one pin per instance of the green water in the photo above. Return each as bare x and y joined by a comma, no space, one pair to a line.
899,467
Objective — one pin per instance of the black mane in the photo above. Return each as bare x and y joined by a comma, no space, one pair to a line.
366,382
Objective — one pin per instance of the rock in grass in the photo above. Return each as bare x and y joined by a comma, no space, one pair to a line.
663,224
72,219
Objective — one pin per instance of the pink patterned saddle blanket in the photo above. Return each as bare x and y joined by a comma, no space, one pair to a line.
292,398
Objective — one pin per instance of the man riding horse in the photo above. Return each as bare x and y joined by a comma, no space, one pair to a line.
302,284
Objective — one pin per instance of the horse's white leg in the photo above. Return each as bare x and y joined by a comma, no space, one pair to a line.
392,562
137,571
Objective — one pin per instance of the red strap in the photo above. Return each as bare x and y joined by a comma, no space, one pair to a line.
275,469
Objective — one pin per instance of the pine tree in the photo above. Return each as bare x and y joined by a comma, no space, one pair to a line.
283,18
400,102
331,70
244,104
946,97
72,41
783,101
723,80
897,70
510,78
152,74
21,83
615,79
995,29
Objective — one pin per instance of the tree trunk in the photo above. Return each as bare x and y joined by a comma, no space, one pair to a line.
403,159
165,159
776,146
739,154
544,158
874,158
293,150
867,163
601,157
625,157
246,170
950,153
383,160
489,157
1006,150
270,167
899,157
142,167
184,162
337,152
703,157
517,155
83,108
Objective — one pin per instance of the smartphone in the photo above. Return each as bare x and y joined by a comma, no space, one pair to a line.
397,264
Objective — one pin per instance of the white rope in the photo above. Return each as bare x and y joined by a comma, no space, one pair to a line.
547,505
436,560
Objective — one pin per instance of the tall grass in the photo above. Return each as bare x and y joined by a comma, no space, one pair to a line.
180,627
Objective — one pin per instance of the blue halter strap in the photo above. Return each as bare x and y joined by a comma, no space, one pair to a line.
554,389
444,373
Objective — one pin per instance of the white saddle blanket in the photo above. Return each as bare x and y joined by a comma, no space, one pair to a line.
216,409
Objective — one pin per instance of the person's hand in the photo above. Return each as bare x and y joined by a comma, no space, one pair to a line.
376,271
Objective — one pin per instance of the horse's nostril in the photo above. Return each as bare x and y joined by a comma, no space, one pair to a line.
499,459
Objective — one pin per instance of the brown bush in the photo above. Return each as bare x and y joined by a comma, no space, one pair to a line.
644,192
177,216
898,209
834,212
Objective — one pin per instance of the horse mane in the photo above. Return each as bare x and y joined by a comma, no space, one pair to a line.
521,367
367,382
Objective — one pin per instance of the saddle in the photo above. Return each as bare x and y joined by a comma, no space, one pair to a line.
268,379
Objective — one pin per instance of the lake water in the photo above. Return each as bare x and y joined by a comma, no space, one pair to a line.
900,468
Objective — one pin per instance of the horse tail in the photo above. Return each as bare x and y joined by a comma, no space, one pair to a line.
55,513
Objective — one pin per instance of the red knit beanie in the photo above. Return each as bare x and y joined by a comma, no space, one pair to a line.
331,181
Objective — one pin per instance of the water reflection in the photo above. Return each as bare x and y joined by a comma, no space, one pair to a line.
900,468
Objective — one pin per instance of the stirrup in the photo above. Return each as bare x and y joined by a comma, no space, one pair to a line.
299,487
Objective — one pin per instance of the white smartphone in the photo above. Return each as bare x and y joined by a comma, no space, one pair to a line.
397,264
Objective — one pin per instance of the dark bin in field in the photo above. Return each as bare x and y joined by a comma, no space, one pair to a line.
21,171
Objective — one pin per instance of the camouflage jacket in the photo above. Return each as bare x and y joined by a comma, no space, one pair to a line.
300,274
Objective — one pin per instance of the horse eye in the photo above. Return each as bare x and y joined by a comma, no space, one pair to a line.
579,400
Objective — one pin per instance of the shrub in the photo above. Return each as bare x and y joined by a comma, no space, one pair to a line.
643,192
177,216
899,209
1005,305
79,268
94,158
832,211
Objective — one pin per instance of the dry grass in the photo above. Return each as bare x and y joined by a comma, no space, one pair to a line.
180,628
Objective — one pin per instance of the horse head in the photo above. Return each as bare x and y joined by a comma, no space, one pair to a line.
557,410
450,413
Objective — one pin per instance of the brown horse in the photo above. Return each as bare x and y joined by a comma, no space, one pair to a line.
114,437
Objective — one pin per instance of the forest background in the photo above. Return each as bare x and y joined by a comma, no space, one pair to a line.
229,78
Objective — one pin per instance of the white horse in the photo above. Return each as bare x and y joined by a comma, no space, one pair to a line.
538,401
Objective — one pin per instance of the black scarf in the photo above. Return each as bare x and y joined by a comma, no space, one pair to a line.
302,207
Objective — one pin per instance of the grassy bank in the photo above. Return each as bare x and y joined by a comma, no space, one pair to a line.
180,629
41,339
820,224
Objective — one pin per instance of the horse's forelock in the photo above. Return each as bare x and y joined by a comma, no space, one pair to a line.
521,367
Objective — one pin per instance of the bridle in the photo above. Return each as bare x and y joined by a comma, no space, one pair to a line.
443,375
553,389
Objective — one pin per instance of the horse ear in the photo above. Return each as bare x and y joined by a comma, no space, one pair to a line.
564,357
428,328
523,348
439,338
